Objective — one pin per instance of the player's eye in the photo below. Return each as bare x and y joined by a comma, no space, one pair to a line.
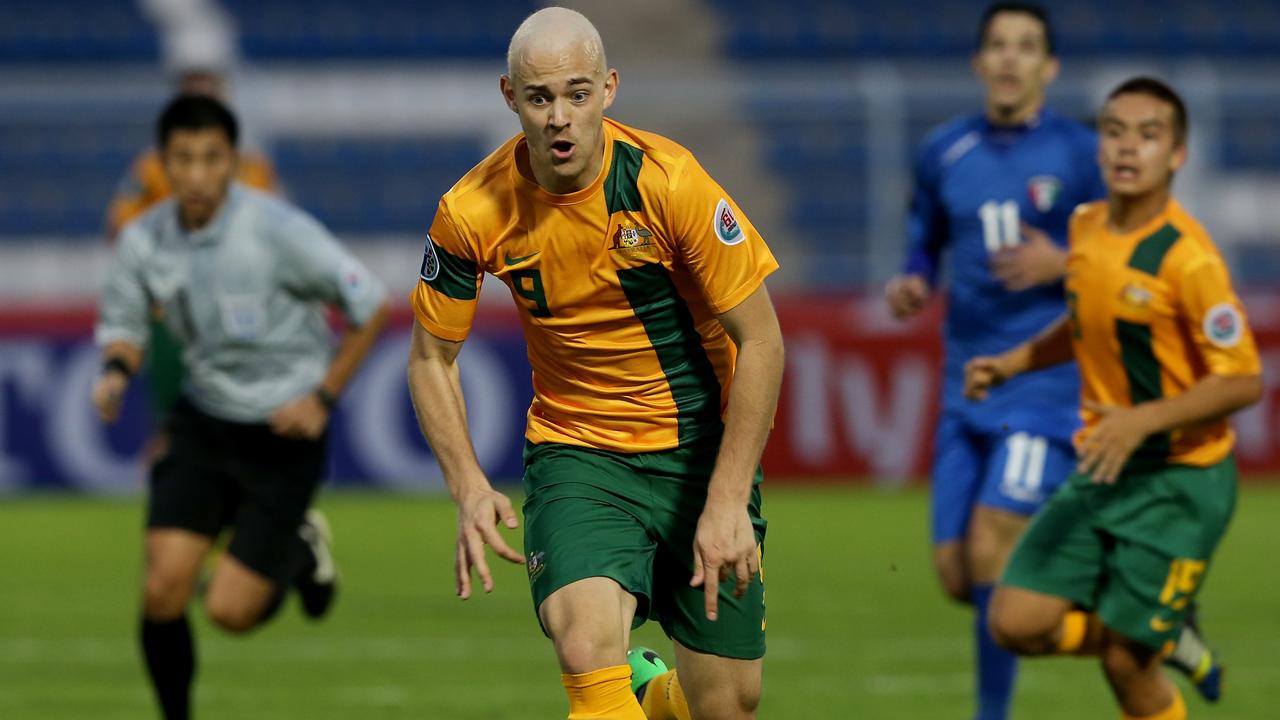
580,96
537,100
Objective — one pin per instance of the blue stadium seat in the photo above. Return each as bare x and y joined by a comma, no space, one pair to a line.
373,185
309,29
58,180
850,29
74,30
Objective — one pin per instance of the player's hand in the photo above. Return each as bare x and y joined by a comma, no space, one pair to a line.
724,545
983,373
478,515
1105,450
1037,260
108,393
906,295
303,418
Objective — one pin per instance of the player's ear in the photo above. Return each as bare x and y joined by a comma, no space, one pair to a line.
1178,157
1050,71
610,87
508,89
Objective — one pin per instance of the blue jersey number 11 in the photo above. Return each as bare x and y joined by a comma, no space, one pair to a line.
1000,227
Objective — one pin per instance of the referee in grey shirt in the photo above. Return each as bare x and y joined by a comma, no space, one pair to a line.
243,281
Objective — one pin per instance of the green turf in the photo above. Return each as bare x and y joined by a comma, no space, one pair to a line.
857,628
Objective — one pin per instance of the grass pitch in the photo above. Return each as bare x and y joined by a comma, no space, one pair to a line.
857,626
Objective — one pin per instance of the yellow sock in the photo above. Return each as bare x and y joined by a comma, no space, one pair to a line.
604,693
1081,634
1176,711
664,698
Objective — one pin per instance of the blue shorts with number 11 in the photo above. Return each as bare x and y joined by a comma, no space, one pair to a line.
1015,471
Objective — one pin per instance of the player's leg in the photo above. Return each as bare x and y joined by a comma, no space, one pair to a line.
718,664
589,564
184,515
1136,676
1055,569
1167,524
267,555
1020,473
712,687
954,488
173,560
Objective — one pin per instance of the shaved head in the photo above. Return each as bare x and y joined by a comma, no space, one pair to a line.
555,34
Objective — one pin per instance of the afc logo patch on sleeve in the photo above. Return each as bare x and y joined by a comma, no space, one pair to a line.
430,263
1223,325
726,224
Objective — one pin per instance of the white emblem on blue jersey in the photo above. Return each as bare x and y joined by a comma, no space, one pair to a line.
1044,191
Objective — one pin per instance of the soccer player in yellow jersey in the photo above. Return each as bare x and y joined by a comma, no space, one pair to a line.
657,360
1111,565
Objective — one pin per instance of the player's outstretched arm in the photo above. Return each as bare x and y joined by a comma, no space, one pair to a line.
120,360
436,389
307,416
1121,430
725,542
1051,347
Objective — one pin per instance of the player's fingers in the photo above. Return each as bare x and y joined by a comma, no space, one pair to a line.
696,580
475,551
462,571
742,579
506,511
499,545
711,590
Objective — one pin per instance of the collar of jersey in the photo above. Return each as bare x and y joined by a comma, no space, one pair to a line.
1147,228
212,229
575,197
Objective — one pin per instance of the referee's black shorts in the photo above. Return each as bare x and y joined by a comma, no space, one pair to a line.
219,474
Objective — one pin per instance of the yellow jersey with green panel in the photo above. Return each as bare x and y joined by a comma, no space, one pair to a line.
618,285
1152,313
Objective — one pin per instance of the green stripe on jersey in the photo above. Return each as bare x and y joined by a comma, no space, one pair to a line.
1151,250
622,186
674,337
456,277
1143,372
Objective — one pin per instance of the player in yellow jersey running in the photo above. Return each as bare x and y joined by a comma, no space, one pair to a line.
657,361
1111,565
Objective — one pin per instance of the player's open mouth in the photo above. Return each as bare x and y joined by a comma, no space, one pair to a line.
1125,172
562,150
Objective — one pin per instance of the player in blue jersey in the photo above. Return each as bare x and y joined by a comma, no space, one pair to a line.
979,180
993,195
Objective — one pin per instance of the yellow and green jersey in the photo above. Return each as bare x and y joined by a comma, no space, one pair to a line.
1153,312
618,286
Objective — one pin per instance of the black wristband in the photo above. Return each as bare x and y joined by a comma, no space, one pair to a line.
326,399
115,364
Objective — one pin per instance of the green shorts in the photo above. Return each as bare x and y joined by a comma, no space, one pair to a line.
1135,552
631,518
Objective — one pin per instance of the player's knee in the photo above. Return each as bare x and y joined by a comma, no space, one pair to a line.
582,650
164,596
954,580
1124,662
1019,633
728,703
234,617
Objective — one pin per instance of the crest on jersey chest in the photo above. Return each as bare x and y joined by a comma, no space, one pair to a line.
632,240
1044,191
